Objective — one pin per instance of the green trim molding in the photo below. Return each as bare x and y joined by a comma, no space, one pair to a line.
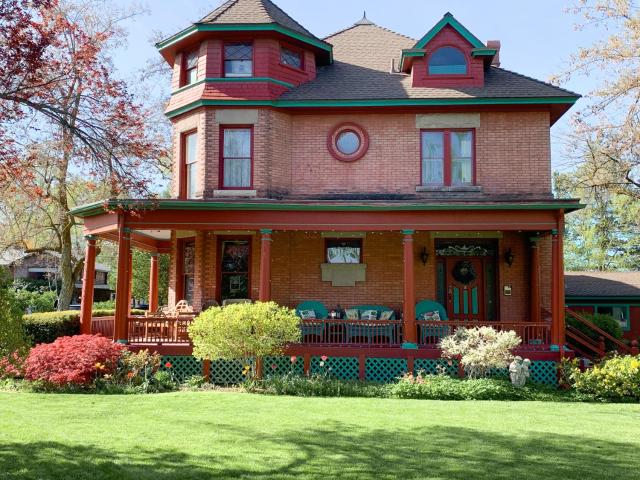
408,102
235,80
245,27
450,20
98,208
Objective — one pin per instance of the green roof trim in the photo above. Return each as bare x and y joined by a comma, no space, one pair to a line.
590,299
98,208
408,102
450,20
483,52
235,80
244,27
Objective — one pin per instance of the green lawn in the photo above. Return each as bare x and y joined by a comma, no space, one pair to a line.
234,435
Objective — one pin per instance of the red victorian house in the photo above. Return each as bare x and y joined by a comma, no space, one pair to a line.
402,184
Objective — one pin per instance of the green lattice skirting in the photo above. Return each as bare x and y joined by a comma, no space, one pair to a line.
182,367
434,366
278,366
384,369
343,368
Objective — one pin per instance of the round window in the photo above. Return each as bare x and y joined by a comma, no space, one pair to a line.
348,142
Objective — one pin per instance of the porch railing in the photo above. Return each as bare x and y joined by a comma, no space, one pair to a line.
532,333
351,332
102,326
159,330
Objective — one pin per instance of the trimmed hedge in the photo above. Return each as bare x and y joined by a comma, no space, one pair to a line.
46,327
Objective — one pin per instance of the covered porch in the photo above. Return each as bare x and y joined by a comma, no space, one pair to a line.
494,264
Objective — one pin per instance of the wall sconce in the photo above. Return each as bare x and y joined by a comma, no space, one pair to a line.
424,256
508,257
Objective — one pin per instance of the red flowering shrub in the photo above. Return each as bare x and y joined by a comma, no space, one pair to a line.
76,360
12,366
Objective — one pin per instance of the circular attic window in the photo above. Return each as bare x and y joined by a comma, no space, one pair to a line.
348,142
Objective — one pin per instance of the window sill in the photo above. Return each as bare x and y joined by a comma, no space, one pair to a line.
441,188
235,193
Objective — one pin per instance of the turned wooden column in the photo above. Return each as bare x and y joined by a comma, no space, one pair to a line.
153,283
534,280
409,307
264,293
130,281
88,283
120,330
557,284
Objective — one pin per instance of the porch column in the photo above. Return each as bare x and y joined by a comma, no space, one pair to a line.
534,280
88,281
130,284
557,285
409,307
153,283
120,330
264,293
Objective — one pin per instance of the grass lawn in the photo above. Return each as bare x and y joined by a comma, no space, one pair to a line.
234,435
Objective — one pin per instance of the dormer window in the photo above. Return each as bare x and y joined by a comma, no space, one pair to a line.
447,61
238,60
291,58
190,67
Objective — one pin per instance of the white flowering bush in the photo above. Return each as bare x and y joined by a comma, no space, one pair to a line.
480,349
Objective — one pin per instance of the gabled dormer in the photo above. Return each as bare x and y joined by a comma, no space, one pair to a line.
448,55
243,50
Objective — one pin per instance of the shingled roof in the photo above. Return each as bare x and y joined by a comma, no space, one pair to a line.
602,284
254,11
363,56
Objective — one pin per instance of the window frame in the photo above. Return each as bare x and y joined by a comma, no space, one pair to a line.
181,275
183,187
184,70
333,239
466,74
224,58
299,51
223,128
232,238
447,160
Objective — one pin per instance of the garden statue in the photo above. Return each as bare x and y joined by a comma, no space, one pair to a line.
519,371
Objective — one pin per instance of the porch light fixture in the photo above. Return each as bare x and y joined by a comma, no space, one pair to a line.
424,256
508,257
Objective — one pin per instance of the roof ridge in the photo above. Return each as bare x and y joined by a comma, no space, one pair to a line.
537,80
223,7
371,24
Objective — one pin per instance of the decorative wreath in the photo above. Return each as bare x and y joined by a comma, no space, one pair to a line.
464,272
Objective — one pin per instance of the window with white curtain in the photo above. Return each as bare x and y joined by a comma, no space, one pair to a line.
447,157
191,163
236,160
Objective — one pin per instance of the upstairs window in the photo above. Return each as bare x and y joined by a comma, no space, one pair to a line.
447,157
190,164
238,60
237,162
447,61
291,58
190,74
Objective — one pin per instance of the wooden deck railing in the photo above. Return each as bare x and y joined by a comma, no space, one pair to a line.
430,332
102,326
351,332
159,330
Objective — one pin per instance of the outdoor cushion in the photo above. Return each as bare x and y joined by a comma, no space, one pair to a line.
430,306
378,308
352,313
319,309
386,315
431,316
307,314
369,315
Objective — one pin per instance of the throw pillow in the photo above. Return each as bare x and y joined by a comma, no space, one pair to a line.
386,315
369,315
352,313
307,314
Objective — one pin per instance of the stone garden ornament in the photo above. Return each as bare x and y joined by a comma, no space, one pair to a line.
519,371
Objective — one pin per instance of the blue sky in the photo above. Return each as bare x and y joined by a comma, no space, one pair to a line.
537,36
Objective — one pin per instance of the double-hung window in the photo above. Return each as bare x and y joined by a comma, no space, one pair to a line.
190,74
447,157
238,60
190,164
236,162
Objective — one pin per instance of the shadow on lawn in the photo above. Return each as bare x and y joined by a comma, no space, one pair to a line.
337,451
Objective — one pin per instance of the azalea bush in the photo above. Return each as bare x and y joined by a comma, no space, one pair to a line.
480,349
77,360
243,331
614,379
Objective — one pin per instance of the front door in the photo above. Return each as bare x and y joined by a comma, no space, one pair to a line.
465,288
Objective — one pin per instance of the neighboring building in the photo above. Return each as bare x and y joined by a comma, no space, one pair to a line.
364,169
613,293
45,267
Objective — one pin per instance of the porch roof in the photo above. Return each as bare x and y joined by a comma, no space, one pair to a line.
115,205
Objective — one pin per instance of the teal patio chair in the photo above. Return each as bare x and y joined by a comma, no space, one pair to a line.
320,311
425,332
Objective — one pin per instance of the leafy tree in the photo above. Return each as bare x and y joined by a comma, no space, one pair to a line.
243,331
68,121
606,234
606,141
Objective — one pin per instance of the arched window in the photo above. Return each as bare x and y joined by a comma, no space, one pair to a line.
447,61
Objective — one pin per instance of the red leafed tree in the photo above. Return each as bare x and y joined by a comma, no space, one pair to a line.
64,116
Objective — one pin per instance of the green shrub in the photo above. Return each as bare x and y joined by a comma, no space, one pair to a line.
12,337
314,386
614,379
106,305
164,381
604,322
243,331
41,300
195,381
